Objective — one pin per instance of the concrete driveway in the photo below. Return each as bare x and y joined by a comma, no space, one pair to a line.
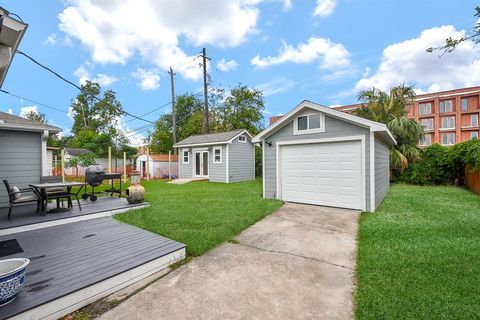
297,263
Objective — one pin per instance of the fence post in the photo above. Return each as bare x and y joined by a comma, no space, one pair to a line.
169,162
125,166
55,162
148,163
62,162
109,159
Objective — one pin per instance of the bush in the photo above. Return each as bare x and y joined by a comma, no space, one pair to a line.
443,165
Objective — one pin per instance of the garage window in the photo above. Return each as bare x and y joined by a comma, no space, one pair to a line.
309,124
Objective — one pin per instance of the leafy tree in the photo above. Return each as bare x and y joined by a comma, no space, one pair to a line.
451,44
390,109
242,109
35,116
83,160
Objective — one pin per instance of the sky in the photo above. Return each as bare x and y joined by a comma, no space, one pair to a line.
325,51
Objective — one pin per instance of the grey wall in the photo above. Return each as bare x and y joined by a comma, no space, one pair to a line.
242,162
382,171
333,128
184,170
20,160
218,171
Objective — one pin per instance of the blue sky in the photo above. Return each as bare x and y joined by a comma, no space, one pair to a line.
324,50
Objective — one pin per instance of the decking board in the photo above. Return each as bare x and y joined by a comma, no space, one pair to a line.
64,260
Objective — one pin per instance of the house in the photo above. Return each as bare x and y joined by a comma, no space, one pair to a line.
219,157
23,156
321,156
160,165
448,117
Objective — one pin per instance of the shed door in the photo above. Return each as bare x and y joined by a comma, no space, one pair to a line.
328,174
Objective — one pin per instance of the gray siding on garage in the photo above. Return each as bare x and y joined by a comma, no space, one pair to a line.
382,170
242,162
20,160
217,171
334,128
185,170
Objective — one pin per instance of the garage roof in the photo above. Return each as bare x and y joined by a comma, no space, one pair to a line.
372,125
11,122
211,138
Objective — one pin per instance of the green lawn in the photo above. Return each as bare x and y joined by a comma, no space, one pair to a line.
200,214
419,255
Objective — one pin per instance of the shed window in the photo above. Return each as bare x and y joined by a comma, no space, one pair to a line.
242,138
186,158
217,155
309,124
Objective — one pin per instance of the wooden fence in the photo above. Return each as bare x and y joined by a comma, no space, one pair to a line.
472,180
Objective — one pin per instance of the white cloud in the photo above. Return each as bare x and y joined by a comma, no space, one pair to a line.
324,8
25,110
10,111
148,79
278,85
332,55
408,62
83,75
115,31
287,5
226,66
51,40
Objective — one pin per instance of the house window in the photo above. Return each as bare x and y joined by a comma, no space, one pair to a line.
464,104
448,138
427,124
424,108
242,138
474,135
186,156
446,106
426,140
448,123
309,124
217,155
474,120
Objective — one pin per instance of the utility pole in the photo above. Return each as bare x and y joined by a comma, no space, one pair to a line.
174,116
206,125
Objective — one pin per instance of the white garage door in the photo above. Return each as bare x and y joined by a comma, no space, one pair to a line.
326,174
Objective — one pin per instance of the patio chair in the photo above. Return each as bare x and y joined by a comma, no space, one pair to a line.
20,197
59,193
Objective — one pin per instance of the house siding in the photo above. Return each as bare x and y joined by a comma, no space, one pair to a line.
334,128
382,170
20,160
242,162
185,170
217,171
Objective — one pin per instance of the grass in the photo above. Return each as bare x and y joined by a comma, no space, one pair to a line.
419,255
200,214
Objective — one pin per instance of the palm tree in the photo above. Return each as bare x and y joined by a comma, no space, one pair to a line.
390,109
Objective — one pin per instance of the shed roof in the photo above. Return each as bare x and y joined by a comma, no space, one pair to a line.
12,122
77,151
211,138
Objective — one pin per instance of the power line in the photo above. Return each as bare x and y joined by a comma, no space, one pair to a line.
33,101
75,85
150,112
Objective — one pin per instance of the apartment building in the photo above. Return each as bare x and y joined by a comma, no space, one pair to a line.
448,117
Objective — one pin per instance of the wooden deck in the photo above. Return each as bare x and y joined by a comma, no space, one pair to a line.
25,217
77,263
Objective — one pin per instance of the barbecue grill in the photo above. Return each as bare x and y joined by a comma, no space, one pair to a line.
94,176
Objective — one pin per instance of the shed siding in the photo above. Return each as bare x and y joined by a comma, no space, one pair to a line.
185,170
334,128
217,171
242,162
382,171
20,160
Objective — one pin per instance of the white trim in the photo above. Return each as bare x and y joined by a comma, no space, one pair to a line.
213,143
308,130
227,165
194,154
183,156
372,172
263,168
324,140
242,132
64,305
242,136
221,155
374,126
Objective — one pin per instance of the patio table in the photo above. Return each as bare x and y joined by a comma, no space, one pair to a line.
41,189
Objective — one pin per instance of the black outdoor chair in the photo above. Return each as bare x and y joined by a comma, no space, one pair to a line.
58,194
21,197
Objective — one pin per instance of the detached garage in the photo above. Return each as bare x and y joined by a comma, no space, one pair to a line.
320,156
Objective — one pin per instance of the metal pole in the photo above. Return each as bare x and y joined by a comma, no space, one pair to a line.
62,161
174,112
109,159
206,125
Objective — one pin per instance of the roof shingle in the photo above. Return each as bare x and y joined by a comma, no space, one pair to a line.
9,121
209,138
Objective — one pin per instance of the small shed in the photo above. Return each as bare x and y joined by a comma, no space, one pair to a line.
23,151
219,157
321,156
160,165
